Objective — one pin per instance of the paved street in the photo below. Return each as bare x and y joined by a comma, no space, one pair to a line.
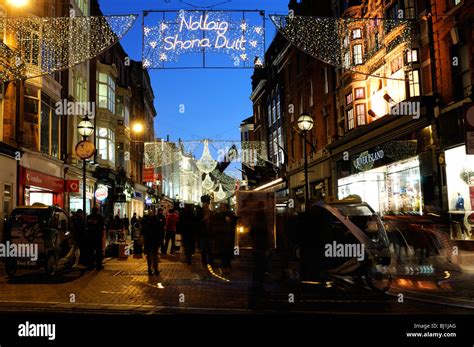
124,286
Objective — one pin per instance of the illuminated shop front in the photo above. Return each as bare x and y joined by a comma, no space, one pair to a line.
460,187
37,187
388,185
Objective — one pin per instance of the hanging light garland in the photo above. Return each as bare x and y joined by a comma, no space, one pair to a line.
207,183
206,164
250,153
220,194
333,40
37,46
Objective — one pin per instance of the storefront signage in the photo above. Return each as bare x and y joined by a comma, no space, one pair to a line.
237,34
73,186
101,193
148,201
38,179
366,160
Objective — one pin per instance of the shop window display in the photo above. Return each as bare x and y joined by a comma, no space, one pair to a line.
460,183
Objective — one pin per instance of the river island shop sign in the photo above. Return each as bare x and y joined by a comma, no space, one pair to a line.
365,161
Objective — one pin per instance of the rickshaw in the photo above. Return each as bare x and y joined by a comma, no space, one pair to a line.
47,227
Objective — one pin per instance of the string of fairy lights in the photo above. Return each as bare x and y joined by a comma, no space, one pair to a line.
37,46
348,43
194,32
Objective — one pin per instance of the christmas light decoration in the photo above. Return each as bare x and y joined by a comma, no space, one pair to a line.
207,183
354,44
206,164
250,153
37,46
220,194
201,32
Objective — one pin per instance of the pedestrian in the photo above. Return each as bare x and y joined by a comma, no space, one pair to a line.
118,226
133,223
188,230
223,236
261,246
126,225
460,215
79,237
161,227
204,219
172,220
95,231
151,239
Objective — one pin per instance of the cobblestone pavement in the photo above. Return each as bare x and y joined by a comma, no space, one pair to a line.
125,287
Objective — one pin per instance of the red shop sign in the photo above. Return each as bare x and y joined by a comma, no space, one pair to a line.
38,179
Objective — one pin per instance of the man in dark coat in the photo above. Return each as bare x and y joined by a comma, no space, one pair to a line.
95,232
151,237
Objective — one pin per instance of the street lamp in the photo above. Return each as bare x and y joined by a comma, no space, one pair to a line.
17,3
137,127
85,149
305,124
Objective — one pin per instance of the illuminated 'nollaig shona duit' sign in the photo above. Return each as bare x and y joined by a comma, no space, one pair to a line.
239,35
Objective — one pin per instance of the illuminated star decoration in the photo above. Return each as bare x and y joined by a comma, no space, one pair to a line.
241,37
59,42
333,40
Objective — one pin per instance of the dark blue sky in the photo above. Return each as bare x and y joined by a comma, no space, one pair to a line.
215,101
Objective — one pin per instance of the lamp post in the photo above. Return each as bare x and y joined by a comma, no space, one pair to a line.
85,129
305,124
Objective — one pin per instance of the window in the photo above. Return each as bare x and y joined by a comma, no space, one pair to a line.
311,101
83,6
360,111
278,110
396,64
328,130
356,34
347,62
275,148
350,119
106,91
357,54
326,81
273,109
412,56
345,43
269,111
49,133
349,99
123,109
280,147
80,91
3,14
409,12
359,93
106,144
414,83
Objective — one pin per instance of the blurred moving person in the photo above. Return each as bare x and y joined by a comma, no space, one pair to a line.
95,231
172,220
